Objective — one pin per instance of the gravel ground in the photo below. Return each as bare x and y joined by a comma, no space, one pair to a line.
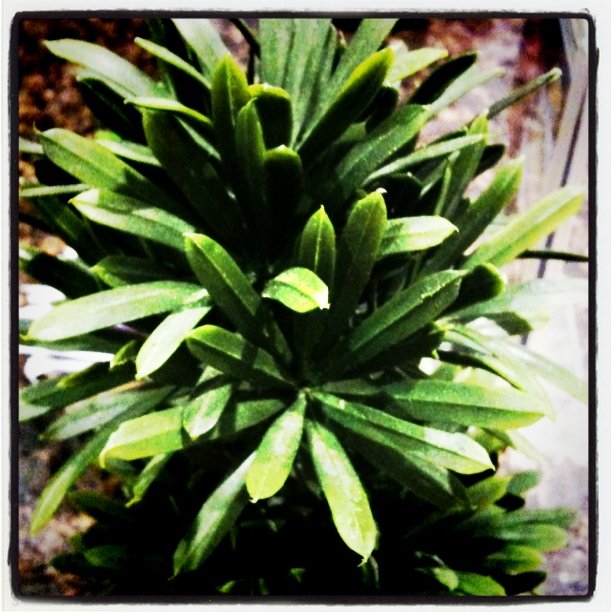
48,97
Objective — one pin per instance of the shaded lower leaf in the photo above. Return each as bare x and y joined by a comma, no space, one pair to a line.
216,517
147,477
203,412
64,478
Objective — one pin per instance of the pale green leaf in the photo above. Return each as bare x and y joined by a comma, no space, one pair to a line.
202,36
166,338
410,234
146,436
276,452
408,62
298,289
114,306
343,490
528,228
203,412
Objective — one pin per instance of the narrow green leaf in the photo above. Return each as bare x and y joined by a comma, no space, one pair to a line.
94,164
45,395
166,338
434,400
354,98
483,283
164,54
229,94
216,517
231,290
145,436
91,414
454,451
119,270
537,294
114,306
366,156
201,414
64,478
357,248
72,278
307,68
120,75
411,234
526,229
407,63
298,289
469,80
403,315
230,353
132,216
343,490
275,36
514,558
129,150
171,106
204,39
250,151
424,154
316,251
147,477
367,39
35,190
427,480
276,452
524,90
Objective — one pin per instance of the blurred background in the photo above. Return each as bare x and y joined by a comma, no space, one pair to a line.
550,129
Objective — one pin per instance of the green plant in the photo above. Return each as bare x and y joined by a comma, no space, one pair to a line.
288,284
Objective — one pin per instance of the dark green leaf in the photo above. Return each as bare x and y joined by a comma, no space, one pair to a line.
403,315
454,451
357,248
147,477
45,395
132,216
231,290
119,270
230,353
172,106
273,106
354,97
216,517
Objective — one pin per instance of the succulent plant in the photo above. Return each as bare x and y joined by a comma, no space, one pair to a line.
299,307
